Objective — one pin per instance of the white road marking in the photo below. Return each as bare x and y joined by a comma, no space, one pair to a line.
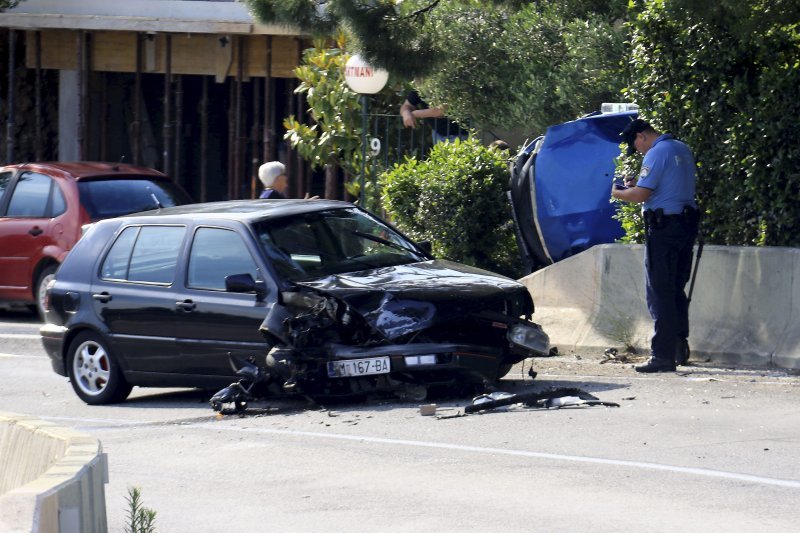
524,453
18,356
107,421
26,336
704,472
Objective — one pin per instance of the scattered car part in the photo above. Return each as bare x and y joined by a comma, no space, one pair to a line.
233,398
562,397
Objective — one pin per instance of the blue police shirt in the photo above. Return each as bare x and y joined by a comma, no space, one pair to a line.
668,170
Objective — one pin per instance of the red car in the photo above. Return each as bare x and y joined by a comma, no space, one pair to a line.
44,205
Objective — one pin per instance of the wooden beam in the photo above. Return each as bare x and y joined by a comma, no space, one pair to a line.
200,54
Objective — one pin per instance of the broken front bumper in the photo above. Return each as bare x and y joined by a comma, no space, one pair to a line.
426,357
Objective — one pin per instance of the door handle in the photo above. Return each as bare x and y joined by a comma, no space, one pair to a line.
186,305
36,230
103,297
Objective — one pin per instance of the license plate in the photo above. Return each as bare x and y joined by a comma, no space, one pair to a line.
358,367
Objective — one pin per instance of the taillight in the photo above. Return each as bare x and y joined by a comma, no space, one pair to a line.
46,302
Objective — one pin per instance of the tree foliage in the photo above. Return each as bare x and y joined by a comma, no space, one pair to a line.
333,133
526,68
456,199
505,63
723,77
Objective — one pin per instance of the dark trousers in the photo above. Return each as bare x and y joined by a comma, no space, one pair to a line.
668,265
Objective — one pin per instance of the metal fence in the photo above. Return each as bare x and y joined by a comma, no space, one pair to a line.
389,142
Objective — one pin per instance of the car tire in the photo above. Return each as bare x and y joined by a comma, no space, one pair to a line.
40,289
94,371
504,369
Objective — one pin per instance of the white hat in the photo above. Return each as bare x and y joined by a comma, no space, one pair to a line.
268,172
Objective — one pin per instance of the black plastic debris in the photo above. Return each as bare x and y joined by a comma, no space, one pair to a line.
549,399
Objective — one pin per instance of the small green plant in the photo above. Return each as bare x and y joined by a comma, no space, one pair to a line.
619,329
140,518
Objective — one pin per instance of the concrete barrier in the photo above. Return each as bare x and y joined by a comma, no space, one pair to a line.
51,478
745,308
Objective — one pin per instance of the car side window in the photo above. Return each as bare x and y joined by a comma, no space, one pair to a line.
147,254
217,253
31,196
58,203
5,179
115,265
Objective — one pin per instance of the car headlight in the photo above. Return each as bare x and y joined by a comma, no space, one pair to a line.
530,337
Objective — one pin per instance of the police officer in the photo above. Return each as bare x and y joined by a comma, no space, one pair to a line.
666,187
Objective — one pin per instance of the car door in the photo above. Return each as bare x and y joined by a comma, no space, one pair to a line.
134,296
27,205
211,321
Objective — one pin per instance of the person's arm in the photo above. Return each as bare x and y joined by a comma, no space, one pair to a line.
634,194
407,111
431,112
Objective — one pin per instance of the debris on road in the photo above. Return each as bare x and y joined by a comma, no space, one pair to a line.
550,399
427,409
612,355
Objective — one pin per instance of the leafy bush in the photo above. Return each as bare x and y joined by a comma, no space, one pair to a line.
723,77
457,200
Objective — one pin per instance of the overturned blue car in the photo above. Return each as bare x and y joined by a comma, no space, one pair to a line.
560,189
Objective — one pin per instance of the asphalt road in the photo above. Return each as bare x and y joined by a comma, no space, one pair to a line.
708,449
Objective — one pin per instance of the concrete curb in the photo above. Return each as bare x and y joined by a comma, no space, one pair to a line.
51,478
744,310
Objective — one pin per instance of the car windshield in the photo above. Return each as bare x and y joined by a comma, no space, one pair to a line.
116,197
314,245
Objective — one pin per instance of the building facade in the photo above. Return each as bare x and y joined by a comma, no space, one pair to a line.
194,88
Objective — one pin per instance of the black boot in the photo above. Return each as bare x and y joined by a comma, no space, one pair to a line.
656,365
682,352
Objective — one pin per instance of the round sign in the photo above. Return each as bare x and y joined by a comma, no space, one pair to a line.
362,77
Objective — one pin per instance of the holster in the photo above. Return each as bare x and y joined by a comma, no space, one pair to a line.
653,219
691,216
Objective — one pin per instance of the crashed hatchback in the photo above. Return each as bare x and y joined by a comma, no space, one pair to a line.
321,297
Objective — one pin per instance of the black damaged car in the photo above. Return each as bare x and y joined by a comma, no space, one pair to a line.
321,296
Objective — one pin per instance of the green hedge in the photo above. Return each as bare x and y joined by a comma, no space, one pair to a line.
724,77
456,198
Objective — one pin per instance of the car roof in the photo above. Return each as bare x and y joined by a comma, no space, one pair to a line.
242,210
92,169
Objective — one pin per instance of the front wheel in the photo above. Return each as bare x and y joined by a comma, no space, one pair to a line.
504,369
94,371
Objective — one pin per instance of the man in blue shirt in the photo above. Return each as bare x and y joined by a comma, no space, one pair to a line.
666,187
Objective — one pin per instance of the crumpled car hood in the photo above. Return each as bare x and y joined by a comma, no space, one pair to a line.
407,298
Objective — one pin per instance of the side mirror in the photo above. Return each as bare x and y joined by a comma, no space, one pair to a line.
245,283
426,247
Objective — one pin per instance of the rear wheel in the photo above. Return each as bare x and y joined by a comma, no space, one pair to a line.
94,371
47,275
